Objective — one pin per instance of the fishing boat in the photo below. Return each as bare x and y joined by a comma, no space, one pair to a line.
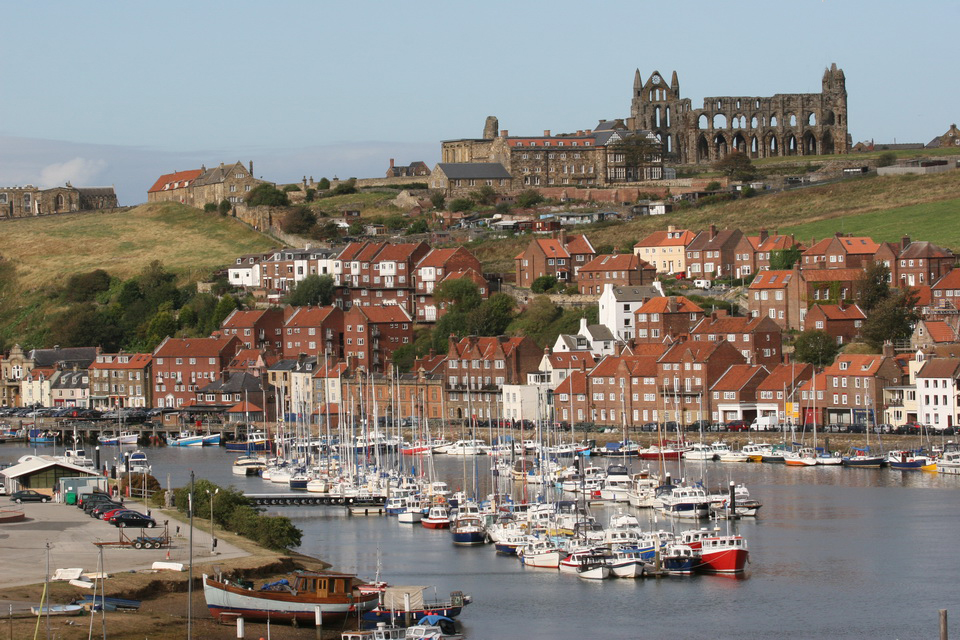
755,450
907,460
411,514
803,457
863,457
723,554
732,455
700,451
191,439
540,553
137,462
57,610
436,518
255,442
468,530
685,502
402,605
292,600
434,628
41,436
626,563
677,558
248,466
124,437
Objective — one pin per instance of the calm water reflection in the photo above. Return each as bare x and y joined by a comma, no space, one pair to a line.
836,552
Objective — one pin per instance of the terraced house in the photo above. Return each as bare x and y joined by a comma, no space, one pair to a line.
560,257
199,187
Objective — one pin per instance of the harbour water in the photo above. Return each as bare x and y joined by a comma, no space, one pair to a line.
835,552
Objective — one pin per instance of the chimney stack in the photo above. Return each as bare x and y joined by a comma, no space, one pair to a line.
888,349
563,237
546,133
763,235
251,168
904,242
713,231
504,133
391,163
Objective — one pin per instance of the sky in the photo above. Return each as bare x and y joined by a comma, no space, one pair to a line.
119,93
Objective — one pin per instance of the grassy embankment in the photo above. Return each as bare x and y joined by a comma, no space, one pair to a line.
923,207
38,254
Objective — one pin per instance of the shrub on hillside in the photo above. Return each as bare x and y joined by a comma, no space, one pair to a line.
81,287
298,221
267,195
461,204
543,284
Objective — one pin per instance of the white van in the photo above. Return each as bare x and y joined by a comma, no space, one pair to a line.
764,423
701,284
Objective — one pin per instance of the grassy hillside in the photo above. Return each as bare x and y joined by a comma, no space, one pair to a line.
923,207
38,254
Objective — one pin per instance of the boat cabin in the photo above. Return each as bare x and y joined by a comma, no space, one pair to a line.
324,584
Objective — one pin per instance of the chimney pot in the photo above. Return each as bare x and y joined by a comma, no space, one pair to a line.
391,163
504,133
546,133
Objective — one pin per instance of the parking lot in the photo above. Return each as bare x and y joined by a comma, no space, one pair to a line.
71,535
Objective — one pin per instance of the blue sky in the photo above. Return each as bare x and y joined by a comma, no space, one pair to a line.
119,93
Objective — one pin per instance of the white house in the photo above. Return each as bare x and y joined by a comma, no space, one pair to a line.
531,401
557,366
618,304
936,384
245,272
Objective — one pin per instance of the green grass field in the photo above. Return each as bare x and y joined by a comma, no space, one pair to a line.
938,222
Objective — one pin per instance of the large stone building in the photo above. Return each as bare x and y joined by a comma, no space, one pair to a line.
26,201
782,125
198,187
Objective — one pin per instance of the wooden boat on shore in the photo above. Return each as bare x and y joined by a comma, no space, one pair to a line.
293,599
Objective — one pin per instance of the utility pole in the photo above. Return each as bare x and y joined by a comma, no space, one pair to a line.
190,580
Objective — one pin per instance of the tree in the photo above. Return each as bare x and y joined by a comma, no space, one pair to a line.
312,290
713,185
162,325
536,321
543,284
485,195
492,317
85,286
638,152
356,228
323,184
873,286
529,198
268,195
461,204
345,188
816,347
736,165
298,221
224,207
462,294
226,305
210,207
437,199
326,231
886,159
892,319
784,259
419,226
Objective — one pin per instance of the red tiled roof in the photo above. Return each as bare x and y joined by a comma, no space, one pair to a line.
940,331
244,407
574,384
332,370
552,248
437,257
950,280
681,238
385,313
772,279
137,361
309,316
429,364
848,312
819,248
655,349
857,365
727,324
487,346
572,360
192,347
579,244
738,375
397,252
642,365
924,295
466,273
671,304
177,180
615,262
925,250
832,275
859,244
351,251
786,375
939,368
241,318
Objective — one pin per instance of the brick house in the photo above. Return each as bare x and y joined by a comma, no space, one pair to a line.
378,273
662,317
841,321
930,333
257,328
840,252
558,366
372,334
778,295
622,390
832,286
850,391
570,399
282,270
121,380
763,245
921,263
734,395
313,331
620,270
777,394
560,257
182,365
666,250
432,269
684,375
759,339
478,367
712,254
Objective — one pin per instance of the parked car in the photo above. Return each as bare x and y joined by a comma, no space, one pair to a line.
29,495
95,495
110,515
699,425
95,501
103,507
671,426
648,426
738,425
133,519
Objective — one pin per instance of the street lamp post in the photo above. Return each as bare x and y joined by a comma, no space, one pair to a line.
213,538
